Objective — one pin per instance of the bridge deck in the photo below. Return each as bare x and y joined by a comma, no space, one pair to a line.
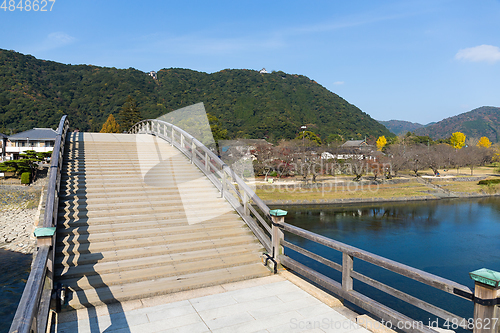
269,304
136,220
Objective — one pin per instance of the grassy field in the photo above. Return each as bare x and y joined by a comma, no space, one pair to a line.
462,187
353,190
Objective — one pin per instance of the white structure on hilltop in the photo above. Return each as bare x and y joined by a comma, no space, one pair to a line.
153,75
263,71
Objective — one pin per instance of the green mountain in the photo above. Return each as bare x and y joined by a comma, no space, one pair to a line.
483,121
35,93
400,126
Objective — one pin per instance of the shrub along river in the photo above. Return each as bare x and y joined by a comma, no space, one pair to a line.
448,238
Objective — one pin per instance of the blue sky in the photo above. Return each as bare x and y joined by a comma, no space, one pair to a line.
419,61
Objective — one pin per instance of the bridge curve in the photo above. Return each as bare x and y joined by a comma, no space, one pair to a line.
139,214
136,219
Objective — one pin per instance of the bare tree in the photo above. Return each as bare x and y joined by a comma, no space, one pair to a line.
436,156
356,166
472,156
397,159
416,158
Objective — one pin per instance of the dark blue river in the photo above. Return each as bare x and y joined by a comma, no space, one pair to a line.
449,238
15,268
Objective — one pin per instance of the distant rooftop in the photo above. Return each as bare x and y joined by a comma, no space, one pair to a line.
35,134
240,142
354,143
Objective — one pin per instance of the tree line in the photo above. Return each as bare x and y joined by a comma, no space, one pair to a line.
384,158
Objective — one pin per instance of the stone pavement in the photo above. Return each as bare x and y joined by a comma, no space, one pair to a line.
268,304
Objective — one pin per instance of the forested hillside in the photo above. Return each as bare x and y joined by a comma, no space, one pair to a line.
483,121
400,126
35,93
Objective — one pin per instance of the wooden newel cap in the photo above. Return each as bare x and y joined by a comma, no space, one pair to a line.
45,232
486,276
278,212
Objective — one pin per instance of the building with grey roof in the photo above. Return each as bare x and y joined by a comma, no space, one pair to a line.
37,139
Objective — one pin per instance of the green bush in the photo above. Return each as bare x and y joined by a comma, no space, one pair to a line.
273,174
489,182
26,178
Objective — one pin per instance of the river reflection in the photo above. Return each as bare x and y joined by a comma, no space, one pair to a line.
449,238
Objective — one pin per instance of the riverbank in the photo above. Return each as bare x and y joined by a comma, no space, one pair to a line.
20,212
345,191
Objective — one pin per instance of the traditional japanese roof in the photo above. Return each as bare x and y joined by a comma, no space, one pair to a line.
354,143
35,134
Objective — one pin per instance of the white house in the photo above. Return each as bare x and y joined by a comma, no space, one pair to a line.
37,139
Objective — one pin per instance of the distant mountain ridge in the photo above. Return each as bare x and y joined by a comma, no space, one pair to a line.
400,126
483,121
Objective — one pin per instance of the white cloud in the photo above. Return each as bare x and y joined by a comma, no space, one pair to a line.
53,41
338,83
481,53
60,38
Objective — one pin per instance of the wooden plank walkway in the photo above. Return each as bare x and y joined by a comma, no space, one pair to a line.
137,220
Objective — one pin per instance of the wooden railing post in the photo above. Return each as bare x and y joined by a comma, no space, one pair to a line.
207,167
278,217
245,203
224,183
193,150
486,296
172,135
182,141
347,265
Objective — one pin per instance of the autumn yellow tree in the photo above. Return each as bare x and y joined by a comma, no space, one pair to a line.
484,142
381,142
457,140
110,126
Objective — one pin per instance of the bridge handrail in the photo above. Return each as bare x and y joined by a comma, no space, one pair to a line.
218,173
33,309
345,288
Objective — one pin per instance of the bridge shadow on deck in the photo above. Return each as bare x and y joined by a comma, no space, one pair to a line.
72,245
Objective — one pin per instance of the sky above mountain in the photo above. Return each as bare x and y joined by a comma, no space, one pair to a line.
419,61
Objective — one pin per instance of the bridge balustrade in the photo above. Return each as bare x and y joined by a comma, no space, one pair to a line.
33,310
234,189
485,295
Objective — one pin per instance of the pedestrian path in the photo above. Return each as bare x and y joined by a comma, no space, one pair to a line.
136,219
267,304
